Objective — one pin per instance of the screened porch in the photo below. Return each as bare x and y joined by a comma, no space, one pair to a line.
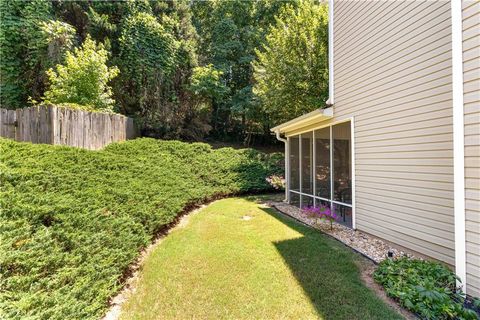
320,170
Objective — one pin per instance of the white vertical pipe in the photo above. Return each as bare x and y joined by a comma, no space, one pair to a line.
458,141
331,88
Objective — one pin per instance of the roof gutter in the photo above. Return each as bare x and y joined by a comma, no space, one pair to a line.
331,88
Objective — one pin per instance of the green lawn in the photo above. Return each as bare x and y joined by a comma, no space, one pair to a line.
219,266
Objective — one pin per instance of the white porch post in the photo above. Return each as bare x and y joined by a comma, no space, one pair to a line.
287,171
287,165
300,156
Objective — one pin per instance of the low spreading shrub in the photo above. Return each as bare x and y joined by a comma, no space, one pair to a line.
73,220
423,287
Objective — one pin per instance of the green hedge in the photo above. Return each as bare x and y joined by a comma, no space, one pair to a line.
73,220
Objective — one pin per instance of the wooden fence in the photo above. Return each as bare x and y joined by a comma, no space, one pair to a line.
62,126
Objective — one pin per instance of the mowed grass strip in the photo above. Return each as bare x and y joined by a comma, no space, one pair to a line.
265,266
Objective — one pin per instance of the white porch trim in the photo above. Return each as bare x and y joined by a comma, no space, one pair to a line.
305,120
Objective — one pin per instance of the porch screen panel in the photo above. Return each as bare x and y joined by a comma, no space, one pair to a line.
294,163
295,199
307,169
344,214
342,163
307,201
322,163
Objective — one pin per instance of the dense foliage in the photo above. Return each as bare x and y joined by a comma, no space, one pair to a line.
158,46
292,67
73,220
424,287
31,42
230,31
84,79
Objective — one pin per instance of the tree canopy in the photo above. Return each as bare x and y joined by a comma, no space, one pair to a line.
292,66
187,69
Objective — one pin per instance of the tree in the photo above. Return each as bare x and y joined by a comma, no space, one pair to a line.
206,84
28,33
229,33
291,70
83,79
147,60
154,44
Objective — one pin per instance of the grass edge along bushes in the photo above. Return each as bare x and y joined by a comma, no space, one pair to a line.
73,220
426,288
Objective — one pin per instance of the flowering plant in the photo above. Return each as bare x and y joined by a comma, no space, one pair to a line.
322,213
277,182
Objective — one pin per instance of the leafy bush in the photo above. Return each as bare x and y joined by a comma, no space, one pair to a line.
73,220
424,287
83,79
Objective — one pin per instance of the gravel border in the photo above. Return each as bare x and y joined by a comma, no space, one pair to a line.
368,245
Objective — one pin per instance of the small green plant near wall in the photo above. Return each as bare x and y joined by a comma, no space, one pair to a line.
424,287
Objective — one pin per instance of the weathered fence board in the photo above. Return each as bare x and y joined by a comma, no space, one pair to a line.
62,126
7,123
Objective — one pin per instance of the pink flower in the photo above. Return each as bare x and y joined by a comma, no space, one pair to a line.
322,212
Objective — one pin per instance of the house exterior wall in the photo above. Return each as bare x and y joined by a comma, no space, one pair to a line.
471,87
393,75
393,79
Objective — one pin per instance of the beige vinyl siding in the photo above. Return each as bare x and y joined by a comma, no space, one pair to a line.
471,78
393,75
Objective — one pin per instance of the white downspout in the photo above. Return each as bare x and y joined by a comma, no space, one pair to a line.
331,88
285,141
458,142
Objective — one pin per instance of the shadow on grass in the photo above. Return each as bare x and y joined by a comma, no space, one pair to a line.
329,274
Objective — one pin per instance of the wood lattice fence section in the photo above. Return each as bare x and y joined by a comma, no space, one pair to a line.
62,126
